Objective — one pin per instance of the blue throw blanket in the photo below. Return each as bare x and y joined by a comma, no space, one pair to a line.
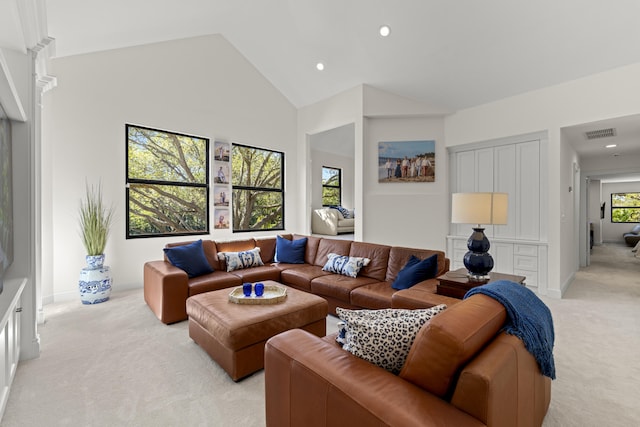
528,318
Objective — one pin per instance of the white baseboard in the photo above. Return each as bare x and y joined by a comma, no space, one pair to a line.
555,293
71,295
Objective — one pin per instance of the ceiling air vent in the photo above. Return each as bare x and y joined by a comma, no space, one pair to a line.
600,133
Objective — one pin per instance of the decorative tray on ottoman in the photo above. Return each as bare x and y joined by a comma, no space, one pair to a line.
273,294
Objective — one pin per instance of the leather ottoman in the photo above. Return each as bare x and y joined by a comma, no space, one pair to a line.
234,335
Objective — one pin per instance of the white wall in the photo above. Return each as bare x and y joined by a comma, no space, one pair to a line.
605,165
597,97
322,158
342,109
200,86
612,232
411,214
406,214
569,210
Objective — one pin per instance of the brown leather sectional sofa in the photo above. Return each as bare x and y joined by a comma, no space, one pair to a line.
166,288
460,371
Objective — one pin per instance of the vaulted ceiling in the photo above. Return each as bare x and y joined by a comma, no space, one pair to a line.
452,54
447,54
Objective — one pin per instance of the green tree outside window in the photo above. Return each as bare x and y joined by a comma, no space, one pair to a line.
258,191
167,183
331,186
625,207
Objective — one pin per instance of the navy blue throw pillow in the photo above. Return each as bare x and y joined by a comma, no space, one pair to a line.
189,258
290,251
416,271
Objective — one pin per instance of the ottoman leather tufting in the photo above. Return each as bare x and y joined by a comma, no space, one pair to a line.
234,335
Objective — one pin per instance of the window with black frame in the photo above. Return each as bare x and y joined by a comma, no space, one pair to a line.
625,207
167,183
331,186
257,178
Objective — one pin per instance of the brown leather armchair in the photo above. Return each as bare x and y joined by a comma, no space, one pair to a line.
461,371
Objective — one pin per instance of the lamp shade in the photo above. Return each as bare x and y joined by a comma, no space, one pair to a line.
479,208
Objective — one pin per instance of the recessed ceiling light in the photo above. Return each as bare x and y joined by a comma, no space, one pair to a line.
385,30
320,66
610,146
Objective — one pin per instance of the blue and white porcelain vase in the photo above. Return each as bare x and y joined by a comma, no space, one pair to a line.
95,281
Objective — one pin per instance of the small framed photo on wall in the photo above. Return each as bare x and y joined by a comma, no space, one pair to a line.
221,151
221,219
221,195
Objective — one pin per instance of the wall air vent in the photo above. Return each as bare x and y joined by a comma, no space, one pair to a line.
600,133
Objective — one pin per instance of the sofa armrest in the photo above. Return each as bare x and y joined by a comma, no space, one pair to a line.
312,382
166,289
324,221
503,385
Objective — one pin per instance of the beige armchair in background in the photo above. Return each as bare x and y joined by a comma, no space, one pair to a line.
330,222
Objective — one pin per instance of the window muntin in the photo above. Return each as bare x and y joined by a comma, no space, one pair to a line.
257,180
331,186
625,207
167,183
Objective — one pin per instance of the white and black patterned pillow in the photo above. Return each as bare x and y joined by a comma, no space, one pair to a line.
345,265
383,337
240,260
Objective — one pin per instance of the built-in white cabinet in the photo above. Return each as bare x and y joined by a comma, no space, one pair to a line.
10,314
514,166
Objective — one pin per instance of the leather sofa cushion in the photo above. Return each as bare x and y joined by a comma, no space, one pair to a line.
398,257
213,282
450,340
301,276
373,296
236,245
267,249
327,246
312,247
419,296
338,286
379,256
258,274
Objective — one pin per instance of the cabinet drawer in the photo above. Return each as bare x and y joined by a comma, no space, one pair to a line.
528,250
531,277
527,263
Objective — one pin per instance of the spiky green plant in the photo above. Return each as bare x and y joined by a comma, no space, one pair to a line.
95,221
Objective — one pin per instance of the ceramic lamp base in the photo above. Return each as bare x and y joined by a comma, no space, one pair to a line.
478,261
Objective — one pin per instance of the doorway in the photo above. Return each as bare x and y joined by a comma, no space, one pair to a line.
334,148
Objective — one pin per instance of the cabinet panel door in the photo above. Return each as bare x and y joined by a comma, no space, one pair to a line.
505,182
528,190
465,183
484,177
484,170
465,172
502,254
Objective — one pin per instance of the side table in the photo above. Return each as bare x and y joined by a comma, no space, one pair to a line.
456,283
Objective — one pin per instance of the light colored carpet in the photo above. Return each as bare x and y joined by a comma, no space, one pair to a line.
115,364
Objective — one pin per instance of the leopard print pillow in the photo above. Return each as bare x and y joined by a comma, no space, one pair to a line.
383,337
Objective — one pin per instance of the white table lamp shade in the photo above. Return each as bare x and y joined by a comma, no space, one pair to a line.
479,208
